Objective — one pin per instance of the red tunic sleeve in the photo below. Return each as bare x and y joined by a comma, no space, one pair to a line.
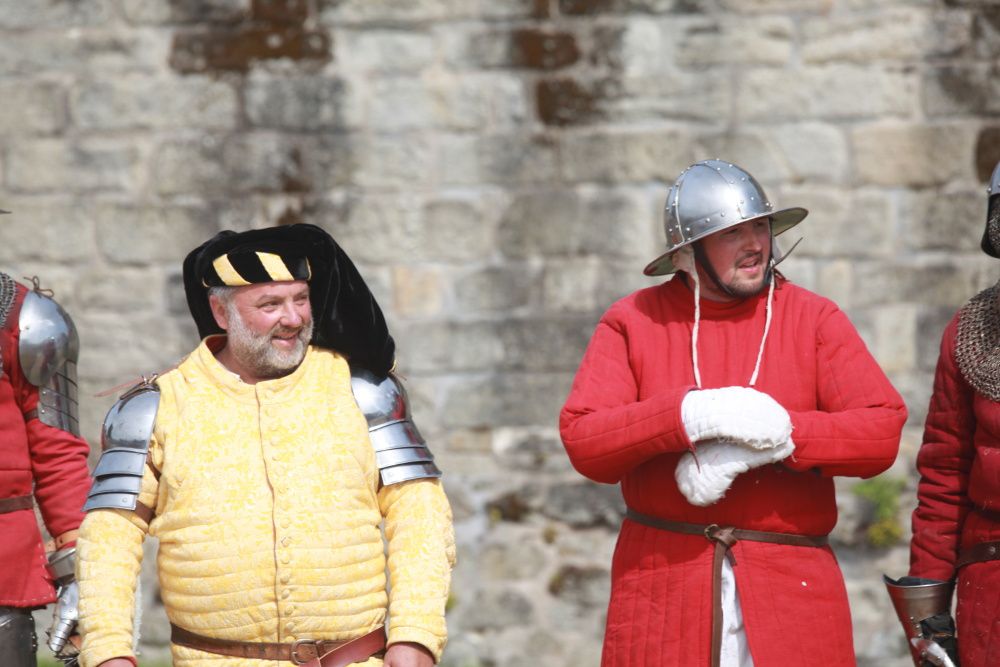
856,427
58,459
944,461
606,429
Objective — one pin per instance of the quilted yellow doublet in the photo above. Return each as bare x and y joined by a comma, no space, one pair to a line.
268,516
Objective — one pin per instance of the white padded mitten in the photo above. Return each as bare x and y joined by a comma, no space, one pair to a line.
738,414
705,481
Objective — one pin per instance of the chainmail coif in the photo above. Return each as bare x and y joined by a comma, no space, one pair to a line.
977,343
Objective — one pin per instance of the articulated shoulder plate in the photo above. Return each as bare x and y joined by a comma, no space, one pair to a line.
125,441
400,451
48,351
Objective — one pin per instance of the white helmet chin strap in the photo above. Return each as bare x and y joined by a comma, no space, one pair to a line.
684,261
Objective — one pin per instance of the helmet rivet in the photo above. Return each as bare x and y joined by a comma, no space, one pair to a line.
723,214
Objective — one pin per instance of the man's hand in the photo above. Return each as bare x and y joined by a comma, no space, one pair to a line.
736,414
406,654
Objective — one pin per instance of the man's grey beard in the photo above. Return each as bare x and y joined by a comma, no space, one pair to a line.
254,351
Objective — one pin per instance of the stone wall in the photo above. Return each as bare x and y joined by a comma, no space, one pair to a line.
496,168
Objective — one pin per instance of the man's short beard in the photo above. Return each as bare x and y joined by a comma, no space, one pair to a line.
744,291
255,351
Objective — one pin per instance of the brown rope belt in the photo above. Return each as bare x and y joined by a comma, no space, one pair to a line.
723,538
979,553
16,503
308,652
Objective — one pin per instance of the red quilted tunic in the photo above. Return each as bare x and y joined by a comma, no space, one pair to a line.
959,503
622,423
33,455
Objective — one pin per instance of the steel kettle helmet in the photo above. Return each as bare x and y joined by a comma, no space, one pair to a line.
991,235
710,196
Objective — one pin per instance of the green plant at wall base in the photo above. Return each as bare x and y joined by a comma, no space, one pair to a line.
883,493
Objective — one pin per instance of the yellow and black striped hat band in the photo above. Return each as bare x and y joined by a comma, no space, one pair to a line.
248,267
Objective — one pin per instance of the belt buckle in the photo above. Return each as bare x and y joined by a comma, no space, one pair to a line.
298,644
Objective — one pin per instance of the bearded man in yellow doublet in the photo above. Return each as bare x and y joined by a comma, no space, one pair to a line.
265,464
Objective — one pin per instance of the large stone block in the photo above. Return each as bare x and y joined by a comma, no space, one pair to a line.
544,344
530,450
373,50
573,285
511,399
311,103
49,231
776,6
135,102
83,52
514,560
379,228
951,90
615,156
399,103
495,289
896,337
929,282
566,222
32,108
417,291
142,235
461,227
811,152
122,290
825,92
843,223
899,34
508,158
951,221
912,155
35,14
673,95
67,166
397,161
479,102
584,505
736,40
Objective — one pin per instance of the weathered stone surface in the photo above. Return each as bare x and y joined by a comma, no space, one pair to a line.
33,109
34,14
537,344
827,92
896,337
461,227
930,283
585,505
987,154
140,102
912,155
53,232
400,103
82,52
302,103
890,35
731,40
842,222
530,450
374,50
495,289
391,161
429,347
952,90
498,609
622,156
144,235
86,165
477,102
513,399
753,6
951,221
417,291
238,48
502,563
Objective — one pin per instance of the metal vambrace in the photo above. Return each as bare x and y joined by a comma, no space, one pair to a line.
61,566
923,606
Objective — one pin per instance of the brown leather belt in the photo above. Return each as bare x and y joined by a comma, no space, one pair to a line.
16,503
308,652
724,538
979,553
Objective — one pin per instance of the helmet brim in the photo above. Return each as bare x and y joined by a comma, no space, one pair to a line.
781,221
